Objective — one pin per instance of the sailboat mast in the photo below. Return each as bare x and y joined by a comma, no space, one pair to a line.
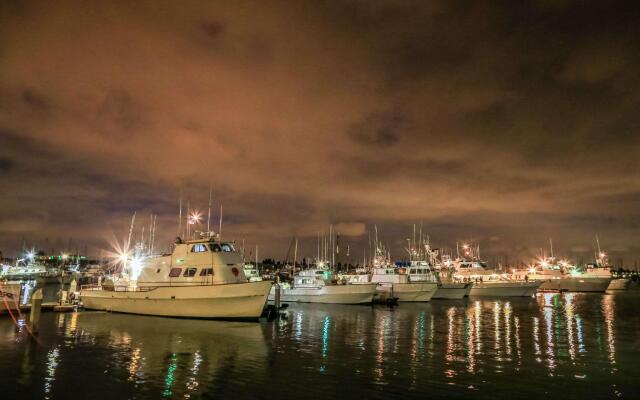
295,256
180,216
209,212
220,226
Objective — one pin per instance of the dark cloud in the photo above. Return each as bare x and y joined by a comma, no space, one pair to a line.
6,165
509,122
379,129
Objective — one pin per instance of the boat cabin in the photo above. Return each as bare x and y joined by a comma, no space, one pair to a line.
206,261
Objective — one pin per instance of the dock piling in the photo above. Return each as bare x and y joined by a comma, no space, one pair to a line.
36,305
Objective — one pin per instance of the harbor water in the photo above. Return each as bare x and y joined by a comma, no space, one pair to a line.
568,346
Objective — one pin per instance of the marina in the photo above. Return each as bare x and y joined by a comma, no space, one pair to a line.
344,199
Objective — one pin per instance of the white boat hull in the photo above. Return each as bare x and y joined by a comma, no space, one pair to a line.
237,300
504,289
619,284
452,291
9,297
407,292
330,294
576,284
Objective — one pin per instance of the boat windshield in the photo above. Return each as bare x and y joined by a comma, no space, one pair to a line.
218,247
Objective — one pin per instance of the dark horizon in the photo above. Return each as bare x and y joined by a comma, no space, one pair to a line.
506,123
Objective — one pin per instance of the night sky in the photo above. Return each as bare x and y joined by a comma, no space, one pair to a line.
506,122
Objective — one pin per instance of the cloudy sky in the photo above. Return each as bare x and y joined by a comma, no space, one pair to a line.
506,122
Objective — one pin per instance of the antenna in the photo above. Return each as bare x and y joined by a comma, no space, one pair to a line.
180,216
220,229
133,220
209,213
188,219
153,234
295,255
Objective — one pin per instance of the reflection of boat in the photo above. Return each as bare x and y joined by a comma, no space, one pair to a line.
315,286
183,356
9,296
202,278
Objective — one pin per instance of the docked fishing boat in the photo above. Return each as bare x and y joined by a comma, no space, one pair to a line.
486,281
394,284
25,269
9,296
561,275
421,271
252,273
201,278
317,285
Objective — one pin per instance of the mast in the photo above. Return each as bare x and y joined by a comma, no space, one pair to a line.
153,234
188,220
413,241
180,216
220,227
133,220
209,212
551,246
295,255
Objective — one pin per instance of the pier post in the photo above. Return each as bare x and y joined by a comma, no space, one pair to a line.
36,305
276,299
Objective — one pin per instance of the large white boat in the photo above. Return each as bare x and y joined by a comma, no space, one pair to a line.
27,268
201,278
316,285
432,269
563,276
491,283
9,296
393,283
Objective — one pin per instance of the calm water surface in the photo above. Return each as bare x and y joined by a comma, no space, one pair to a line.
555,345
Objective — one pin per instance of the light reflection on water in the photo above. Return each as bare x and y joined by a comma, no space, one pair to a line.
485,348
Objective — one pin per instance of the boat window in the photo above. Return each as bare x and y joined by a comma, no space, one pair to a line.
227,247
189,272
198,248
206,271
215,247
175,272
